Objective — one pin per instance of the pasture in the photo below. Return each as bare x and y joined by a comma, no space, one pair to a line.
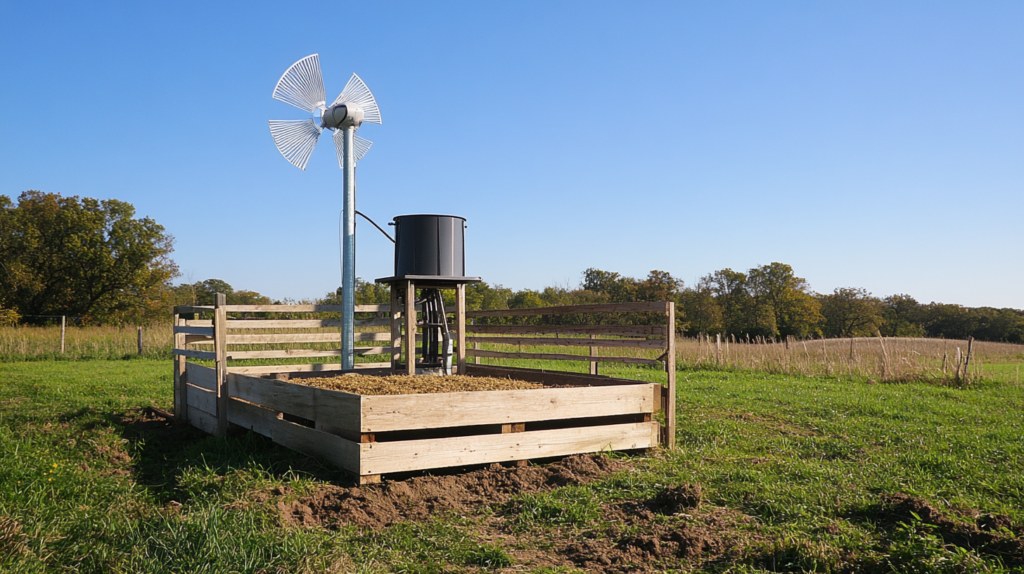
774,472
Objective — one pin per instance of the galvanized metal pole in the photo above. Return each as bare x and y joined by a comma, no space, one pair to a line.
348,255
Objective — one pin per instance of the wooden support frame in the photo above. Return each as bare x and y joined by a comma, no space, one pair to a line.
375,435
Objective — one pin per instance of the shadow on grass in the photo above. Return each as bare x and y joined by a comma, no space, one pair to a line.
162,451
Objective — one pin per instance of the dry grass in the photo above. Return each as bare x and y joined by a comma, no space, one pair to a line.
882,359
21,343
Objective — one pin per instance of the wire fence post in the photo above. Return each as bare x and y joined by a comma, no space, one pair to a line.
63,328
140,340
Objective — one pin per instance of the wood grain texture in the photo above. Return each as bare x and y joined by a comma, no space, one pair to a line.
220,333
203,400
561,357
401,456
381,413
334,449
622,330
546,377
203,421
193,354
303,368
264,339
638,307
202,377
572,342
334,408
208,331
410,328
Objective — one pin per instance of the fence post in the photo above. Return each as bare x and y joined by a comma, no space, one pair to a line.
410,328
220,331
670,365
140,340
593,353
63,328
460,323
180,377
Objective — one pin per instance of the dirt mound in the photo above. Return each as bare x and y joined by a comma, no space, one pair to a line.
422,497
643,544
674,499
983,536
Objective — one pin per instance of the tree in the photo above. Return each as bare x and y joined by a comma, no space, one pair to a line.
702,312
85,258
777,290
850,312
730,290
902,315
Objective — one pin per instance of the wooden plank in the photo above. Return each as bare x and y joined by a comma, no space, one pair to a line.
299,323
198,340
190,309
202,377
637,307
220,333
669,440
309,441
302,338
410,327
460,324
298,353
572,342
203,400
401,456
193,354
282,323
180,377
302,368
324,406
194,331
381,413
622,330
562,357
546,377
198,323
396,329
203,421
283,308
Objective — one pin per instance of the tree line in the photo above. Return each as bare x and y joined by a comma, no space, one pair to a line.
95,262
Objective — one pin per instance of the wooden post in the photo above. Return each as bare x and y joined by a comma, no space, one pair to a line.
410,328
220,333
140,340
967,360
63,328
460,324
593,352
669,439
180,377
511,428
396,328
476,359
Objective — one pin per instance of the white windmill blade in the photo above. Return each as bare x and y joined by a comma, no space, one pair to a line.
302,85
360,147
295,139
357,93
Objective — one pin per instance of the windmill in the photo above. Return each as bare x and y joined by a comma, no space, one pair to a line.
302,86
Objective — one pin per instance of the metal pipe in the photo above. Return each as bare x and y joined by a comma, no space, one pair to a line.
348,255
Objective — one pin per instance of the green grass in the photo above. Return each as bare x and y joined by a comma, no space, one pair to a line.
86,487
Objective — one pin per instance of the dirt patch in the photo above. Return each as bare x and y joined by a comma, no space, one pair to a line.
984,535
674,499
421,498
637,541
420,384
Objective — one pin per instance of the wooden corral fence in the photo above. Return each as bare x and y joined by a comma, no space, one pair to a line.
374,435
593,336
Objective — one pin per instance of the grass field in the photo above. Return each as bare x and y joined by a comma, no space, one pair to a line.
773,473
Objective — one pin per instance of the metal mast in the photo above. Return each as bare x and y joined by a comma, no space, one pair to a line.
348,250
302,86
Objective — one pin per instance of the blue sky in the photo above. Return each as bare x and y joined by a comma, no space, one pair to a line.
867,144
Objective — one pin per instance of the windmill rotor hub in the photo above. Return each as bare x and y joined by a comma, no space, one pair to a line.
341,116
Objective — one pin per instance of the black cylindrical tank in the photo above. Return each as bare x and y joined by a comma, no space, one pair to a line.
430,245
